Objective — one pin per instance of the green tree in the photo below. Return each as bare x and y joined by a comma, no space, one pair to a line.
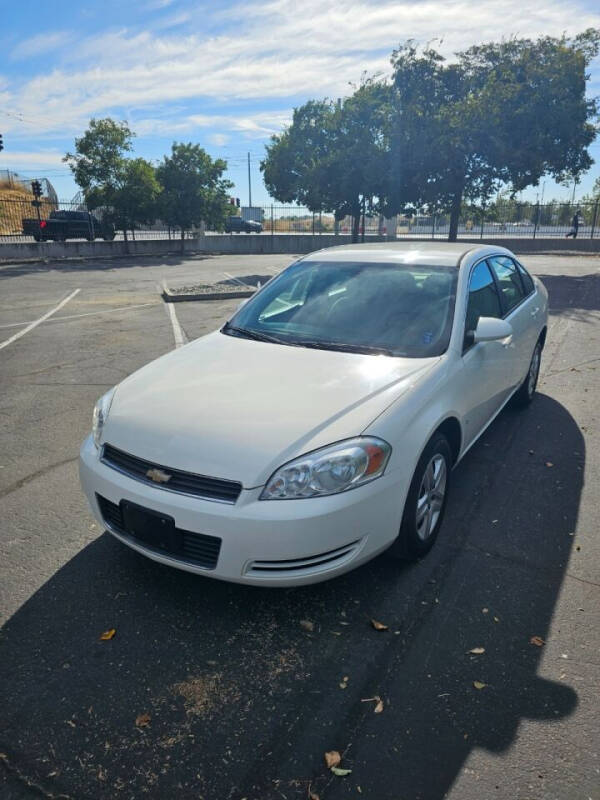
193,188
331,156
99,160
503,113
134,201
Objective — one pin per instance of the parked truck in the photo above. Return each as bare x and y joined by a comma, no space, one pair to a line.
62,225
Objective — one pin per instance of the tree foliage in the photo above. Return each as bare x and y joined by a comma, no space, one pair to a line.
99,159
193,188
331,157
443,132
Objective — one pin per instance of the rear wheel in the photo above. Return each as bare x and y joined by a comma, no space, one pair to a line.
426,501
524,395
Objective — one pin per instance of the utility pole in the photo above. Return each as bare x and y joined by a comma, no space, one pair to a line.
249,184
573,195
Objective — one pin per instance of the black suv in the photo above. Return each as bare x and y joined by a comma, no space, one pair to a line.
239,225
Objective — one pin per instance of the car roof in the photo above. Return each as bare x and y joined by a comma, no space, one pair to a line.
434,253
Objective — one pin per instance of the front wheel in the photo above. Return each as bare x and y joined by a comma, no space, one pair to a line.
524,394
426,501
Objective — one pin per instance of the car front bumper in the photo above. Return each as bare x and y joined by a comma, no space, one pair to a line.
272,542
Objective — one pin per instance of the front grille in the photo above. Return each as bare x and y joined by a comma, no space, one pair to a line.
183,482
197,548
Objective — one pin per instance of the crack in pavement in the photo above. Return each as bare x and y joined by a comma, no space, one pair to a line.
31,784
38,474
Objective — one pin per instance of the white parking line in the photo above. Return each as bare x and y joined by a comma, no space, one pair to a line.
37,322
180,337
237,280
85,314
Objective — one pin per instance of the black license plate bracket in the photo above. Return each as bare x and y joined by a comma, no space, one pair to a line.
151,528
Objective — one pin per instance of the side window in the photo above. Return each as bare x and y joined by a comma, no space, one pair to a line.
483,298
526,278
509,280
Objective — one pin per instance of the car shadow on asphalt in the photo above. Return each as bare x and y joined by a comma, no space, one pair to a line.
218,690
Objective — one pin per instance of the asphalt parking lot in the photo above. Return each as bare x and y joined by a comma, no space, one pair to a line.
233,697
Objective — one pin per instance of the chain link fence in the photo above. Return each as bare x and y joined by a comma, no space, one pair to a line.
21,220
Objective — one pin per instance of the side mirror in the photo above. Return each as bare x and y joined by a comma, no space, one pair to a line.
491,329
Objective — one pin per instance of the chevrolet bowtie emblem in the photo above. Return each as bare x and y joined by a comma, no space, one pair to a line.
158,476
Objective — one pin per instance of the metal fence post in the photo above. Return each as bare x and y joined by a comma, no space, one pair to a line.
272,219
537,219
313,223
594,219
482,220
433,226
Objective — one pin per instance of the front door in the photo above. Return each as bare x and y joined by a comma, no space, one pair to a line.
488,368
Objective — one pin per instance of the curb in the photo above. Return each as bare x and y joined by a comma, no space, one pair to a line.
170,296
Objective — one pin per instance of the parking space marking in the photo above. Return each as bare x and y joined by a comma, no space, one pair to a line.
85,314
237,280
178,333
37,322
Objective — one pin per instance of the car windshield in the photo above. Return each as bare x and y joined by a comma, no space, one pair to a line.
395,309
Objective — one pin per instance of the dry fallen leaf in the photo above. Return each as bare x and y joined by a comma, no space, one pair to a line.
142,720
477,651
108,634
549,464
537,641
479,684
340,772
379,707
484,610
307,625
332,758
379,626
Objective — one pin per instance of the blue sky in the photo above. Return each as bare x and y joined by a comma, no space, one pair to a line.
226,75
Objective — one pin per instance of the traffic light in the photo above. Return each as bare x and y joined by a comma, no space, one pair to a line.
237,201
1,143
36,188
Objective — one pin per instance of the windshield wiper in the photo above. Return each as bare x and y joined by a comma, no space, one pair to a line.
245,333
346,348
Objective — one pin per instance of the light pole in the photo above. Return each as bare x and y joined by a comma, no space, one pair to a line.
249,184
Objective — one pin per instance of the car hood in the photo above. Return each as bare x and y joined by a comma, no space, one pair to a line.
237,409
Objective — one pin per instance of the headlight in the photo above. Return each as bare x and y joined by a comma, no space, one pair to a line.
101,410
330,470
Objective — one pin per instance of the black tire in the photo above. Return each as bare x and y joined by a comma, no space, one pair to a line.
526,391
109,237
37,238
414,540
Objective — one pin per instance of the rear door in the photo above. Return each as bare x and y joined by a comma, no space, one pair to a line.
488,368
518,308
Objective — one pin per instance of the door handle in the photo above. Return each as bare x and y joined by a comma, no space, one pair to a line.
535,312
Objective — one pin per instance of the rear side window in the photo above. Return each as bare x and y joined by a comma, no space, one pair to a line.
483,297
526,278
509,281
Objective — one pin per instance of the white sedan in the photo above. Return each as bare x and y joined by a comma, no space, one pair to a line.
320,425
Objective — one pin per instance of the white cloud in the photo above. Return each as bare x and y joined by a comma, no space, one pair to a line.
219,139
40,44
266,51
173,21
49,159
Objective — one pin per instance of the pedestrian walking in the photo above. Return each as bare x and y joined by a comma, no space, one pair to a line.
575,222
